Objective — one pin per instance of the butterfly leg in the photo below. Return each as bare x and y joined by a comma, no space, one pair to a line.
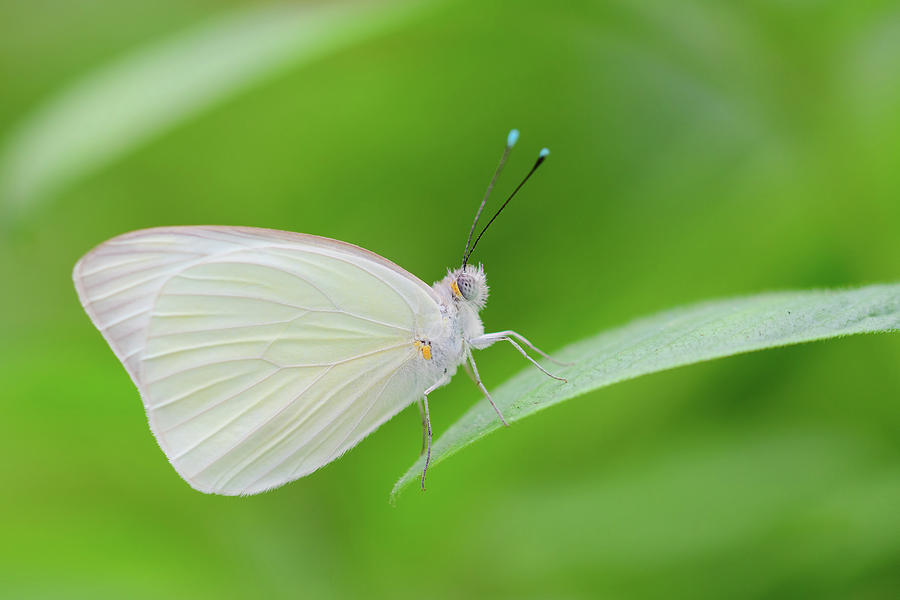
469,372
427,433
481,386
510,333
426,425
489,338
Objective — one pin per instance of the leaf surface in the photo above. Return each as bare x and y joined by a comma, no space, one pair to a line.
672,339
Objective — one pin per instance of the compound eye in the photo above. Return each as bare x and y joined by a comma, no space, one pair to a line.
466,285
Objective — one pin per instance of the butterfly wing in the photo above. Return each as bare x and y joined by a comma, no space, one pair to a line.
260,355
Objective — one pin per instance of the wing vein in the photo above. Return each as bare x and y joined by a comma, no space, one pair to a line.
337,311
283,270
194,390
352,358
291,428
337,447
114,265
218,430
216,329
387,379
217,344
122,319
208,364
262,424
373,275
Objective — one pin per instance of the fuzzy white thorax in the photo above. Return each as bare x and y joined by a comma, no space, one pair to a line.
463,294
467,290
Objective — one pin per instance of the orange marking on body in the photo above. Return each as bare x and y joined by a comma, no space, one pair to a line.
455,289
423,347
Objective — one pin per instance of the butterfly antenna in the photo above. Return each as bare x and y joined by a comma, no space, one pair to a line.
541,156
510,142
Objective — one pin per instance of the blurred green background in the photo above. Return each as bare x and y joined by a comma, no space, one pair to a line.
699,150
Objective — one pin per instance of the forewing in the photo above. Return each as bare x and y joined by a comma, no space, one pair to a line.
260,355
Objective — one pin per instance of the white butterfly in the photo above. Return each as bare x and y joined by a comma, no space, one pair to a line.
262,355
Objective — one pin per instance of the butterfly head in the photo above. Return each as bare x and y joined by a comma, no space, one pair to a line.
468,284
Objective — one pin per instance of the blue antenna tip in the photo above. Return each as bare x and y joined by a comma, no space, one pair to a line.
544,152
512,138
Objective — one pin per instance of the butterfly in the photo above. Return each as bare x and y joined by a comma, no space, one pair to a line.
262,355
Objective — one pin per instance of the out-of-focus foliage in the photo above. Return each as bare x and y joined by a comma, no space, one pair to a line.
699,150
148,92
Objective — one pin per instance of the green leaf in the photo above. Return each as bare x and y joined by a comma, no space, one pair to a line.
115,109
673,339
